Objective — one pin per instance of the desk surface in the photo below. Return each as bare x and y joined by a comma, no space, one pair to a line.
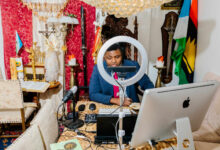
34,86
68,134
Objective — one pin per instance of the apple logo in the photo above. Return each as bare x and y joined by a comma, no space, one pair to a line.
186,103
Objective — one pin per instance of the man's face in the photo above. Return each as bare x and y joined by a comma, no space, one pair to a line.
113,58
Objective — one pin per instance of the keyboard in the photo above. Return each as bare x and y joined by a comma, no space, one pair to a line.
111,110
91,118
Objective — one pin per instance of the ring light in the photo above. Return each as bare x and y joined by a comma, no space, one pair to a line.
140,72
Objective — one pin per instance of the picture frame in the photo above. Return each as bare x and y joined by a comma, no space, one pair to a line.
173,5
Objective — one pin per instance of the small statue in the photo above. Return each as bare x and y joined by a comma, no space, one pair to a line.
51,62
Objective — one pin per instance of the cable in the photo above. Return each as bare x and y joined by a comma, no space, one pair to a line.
90,143
169,144
104,147
82,137
153,143
116,133
116,109
58,119
118,118
119,84
100,145
88,124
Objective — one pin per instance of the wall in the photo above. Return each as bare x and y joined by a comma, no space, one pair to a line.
208,53
149,35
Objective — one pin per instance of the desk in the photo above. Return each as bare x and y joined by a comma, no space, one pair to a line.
67,134
35,87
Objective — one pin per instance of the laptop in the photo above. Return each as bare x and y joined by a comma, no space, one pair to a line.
106,128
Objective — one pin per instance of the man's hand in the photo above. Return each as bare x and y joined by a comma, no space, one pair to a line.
127,101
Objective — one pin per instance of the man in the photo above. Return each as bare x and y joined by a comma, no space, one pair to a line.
103,92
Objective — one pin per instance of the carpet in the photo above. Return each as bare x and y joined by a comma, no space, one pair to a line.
5,142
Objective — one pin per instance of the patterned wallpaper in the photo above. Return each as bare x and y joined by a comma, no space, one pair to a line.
74,39
15,17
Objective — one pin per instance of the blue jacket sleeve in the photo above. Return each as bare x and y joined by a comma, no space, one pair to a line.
144,82
95,89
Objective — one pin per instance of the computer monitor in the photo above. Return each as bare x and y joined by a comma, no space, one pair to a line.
161,107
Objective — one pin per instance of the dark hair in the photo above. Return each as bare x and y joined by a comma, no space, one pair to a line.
117,46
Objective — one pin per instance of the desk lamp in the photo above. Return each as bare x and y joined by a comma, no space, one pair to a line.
123,83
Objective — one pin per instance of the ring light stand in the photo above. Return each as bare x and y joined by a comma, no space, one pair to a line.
126,82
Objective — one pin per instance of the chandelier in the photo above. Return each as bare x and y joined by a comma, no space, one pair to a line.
45,9
125,8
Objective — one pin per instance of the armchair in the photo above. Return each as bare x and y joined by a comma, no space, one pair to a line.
31,139
12,108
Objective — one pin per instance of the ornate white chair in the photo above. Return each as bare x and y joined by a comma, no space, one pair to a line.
12,108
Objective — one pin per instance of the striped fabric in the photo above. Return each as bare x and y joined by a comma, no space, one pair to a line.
188,61
185,36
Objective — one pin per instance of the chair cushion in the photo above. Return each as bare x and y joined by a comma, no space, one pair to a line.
47,122
14,116
11,96
30,140
210,128
206,146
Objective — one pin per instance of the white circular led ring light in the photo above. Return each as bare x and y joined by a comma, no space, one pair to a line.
119,39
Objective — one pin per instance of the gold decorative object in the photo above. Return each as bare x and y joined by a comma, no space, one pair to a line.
13,69
69,146
32,60
35,65
125,8
64,48
54,84
39,57
45,9
158,81
72,67
28,72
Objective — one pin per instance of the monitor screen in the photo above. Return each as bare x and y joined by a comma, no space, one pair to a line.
160,107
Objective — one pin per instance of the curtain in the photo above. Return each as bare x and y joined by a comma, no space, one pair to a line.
2,64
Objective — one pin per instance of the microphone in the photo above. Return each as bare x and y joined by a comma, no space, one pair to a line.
69,94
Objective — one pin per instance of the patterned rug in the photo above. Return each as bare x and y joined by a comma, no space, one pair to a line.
9,130
5,142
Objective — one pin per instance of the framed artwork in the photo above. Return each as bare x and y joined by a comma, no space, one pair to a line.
173,5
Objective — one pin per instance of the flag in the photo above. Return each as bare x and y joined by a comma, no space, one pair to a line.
19,44
186,41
